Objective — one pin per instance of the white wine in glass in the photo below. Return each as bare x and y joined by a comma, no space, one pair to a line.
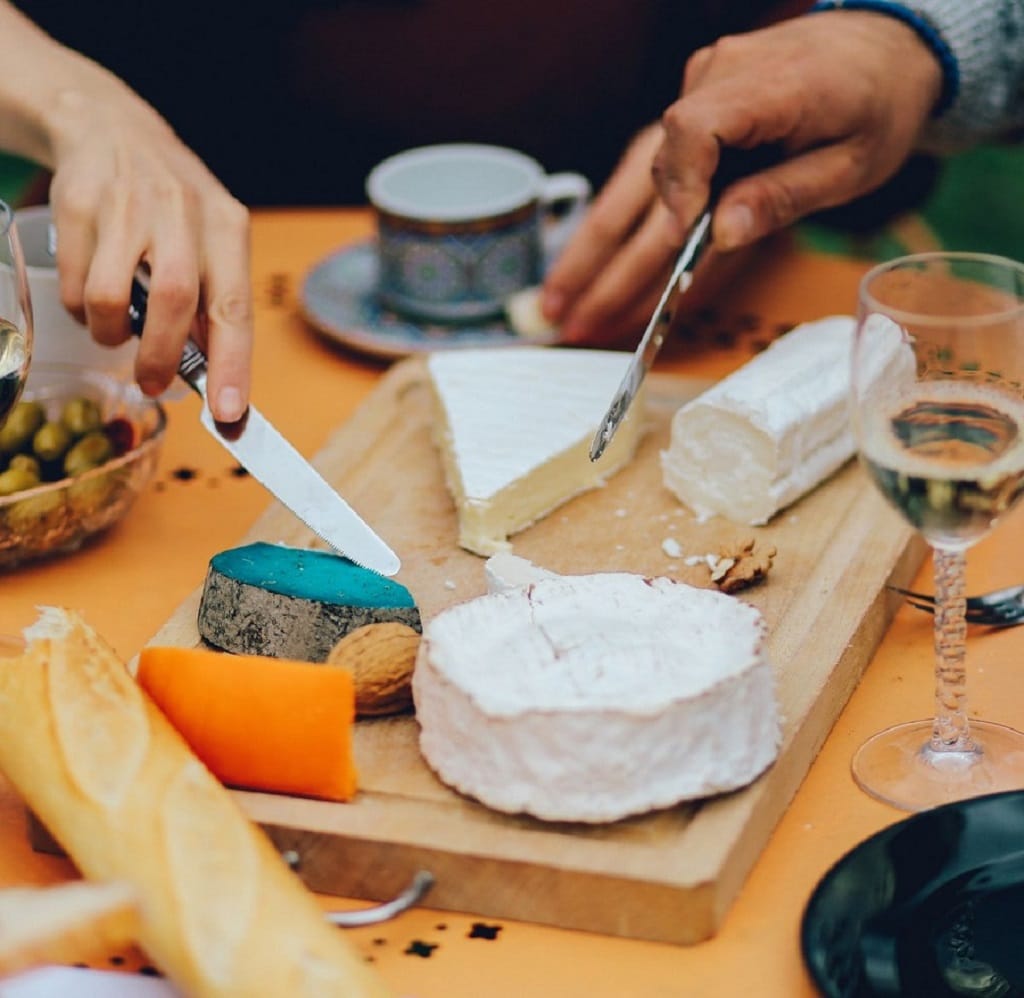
15,315
938,414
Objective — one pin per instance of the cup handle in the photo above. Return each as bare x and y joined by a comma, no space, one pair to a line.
572,190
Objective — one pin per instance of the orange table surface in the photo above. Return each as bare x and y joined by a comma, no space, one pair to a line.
130,581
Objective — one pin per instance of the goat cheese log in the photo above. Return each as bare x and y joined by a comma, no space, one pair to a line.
593,697
768,433
119,789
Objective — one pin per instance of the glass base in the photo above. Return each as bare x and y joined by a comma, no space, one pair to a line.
899,767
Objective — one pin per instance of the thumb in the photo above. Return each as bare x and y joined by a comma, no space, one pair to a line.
770,200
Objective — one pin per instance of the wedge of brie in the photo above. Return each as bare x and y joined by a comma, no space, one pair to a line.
593,697
514,428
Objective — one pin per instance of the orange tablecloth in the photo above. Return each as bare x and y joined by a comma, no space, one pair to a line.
130,581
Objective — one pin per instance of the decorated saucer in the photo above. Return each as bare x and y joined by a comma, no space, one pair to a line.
339,299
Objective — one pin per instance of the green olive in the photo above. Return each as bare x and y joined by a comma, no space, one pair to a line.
21,423
17,480
35,515
51,440
26,462
81,416
89,452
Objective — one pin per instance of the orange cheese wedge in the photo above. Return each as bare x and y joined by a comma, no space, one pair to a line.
256,722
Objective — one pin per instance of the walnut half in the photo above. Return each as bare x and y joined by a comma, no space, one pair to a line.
741,564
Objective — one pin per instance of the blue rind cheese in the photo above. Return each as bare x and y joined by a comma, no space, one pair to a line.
286,602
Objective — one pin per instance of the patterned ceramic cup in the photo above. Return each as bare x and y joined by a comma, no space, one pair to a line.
462,226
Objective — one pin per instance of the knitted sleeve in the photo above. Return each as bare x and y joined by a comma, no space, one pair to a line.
980,45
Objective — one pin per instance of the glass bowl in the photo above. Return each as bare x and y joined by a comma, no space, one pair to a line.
58,517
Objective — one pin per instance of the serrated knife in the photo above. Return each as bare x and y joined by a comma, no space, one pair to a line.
276,464
733,164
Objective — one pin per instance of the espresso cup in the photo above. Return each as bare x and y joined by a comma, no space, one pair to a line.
58,336
462,226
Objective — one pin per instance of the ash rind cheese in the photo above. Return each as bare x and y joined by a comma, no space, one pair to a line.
286,602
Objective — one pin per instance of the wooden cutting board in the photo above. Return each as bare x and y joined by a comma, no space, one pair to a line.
668,876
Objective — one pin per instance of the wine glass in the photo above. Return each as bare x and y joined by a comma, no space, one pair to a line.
15,314
938,415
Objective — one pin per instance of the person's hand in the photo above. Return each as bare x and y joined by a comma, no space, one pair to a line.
845,93
125,189
605,283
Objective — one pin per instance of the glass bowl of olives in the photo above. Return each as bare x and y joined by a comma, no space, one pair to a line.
75,452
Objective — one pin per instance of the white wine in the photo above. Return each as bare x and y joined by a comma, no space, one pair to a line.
950,457
13,365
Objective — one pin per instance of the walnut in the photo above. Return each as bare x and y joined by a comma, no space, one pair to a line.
741,564
382,657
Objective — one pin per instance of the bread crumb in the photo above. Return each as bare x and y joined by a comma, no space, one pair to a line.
524,315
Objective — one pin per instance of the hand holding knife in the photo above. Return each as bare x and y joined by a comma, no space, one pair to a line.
732,164
275,463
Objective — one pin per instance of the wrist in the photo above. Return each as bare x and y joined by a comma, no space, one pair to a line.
945,66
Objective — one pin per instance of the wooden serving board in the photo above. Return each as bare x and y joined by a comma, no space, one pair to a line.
667,876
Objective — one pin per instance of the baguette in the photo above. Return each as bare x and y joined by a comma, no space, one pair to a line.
117,786
67,922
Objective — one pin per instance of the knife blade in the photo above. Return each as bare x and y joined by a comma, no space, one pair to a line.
733,164
275,463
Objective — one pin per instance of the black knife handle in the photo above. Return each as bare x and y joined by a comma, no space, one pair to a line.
193,360
137,306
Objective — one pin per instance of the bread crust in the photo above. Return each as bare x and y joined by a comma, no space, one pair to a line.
119,789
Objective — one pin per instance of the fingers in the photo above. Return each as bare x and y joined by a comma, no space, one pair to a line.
616,306
617,210
195,242
228,312
773,199
822,89
601,289
76,242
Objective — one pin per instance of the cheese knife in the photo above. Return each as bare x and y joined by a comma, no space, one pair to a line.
733,164
275,463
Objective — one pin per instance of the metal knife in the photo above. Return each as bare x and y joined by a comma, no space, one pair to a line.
275,463
733,163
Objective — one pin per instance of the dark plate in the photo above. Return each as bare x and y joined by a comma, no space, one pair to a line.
931,906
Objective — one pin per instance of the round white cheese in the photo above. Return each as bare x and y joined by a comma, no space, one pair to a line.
593,697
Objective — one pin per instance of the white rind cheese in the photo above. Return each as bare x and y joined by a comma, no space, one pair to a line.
504,571
768,433
514,430
594,697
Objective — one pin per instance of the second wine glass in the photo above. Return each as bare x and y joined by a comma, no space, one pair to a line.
938,413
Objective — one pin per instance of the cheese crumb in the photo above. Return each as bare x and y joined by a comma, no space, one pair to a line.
448,584
671,547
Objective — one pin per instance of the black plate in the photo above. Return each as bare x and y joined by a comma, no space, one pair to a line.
931,906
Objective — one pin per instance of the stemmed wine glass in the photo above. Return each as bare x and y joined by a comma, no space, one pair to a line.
938,414
15,314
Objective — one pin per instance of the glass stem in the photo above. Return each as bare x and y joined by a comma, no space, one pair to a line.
951,729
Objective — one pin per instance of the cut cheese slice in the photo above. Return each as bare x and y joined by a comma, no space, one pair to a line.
768,433
593,697
514,429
